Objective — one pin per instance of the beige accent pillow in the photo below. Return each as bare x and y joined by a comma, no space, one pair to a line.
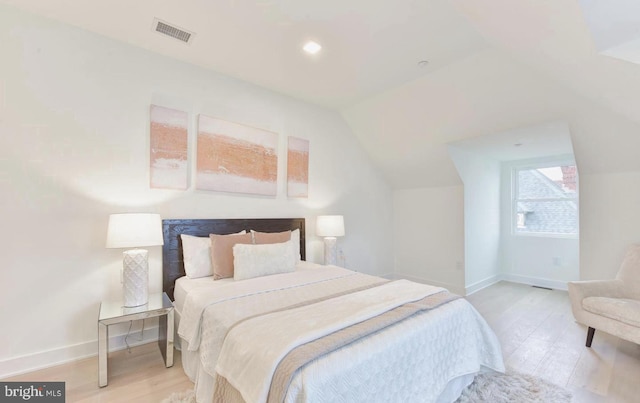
196,255
262,260
261,238
222,253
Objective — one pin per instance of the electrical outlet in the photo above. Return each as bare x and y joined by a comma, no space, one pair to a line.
557,261
459,265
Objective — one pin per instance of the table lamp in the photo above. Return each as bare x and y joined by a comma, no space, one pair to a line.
134,230
330,227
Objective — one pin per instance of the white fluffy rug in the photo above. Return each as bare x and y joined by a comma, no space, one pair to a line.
513,387
181,397
487,387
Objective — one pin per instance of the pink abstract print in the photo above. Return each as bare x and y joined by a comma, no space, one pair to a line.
236,158
298,167
168,159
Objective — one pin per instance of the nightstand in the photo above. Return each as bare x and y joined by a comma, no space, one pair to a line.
159,305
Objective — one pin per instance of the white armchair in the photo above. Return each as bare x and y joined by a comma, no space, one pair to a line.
612,306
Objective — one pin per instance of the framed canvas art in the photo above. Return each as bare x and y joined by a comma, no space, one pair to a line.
168,148
235,158
297,167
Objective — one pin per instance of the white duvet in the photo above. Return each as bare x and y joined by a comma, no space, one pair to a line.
413,360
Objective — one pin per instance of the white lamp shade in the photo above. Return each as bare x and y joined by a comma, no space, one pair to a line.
330,225
132,230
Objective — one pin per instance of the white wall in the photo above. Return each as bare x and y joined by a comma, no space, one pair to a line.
74,117
481,177
609,221
544,261
429,236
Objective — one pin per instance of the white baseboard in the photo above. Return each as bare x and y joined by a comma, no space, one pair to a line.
45,359
479,285
540,282
451,287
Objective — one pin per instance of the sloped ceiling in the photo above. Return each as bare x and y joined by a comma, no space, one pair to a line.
615,27
494,66
368,46
541,67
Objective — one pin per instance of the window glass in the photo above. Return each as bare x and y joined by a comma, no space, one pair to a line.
546,200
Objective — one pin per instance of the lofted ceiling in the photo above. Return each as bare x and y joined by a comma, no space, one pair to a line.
541,66
368,46
495,66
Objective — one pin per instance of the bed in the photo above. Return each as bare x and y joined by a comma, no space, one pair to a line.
319,333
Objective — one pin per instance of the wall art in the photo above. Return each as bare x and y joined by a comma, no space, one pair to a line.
168,148
297,167
232,157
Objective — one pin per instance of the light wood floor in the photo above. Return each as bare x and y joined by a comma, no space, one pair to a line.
535,327
539,336
139,376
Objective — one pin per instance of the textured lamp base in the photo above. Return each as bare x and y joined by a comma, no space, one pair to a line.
135,278
330,250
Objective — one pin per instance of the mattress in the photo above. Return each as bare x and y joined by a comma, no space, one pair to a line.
434,354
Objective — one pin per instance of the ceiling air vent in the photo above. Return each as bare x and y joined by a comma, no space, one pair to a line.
171,30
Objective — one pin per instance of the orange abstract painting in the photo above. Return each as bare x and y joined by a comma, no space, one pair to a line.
298,167
236,158
168,159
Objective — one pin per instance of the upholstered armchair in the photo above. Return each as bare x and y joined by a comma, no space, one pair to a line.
612,306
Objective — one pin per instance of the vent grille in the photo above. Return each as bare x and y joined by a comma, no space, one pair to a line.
172,31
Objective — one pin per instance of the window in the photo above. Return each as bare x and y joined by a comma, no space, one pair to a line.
546,200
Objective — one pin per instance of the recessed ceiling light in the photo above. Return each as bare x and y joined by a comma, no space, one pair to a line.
423,63
312,47
517,145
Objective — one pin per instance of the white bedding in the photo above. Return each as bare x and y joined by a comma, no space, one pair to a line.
430,353
418,357
282,331
184,285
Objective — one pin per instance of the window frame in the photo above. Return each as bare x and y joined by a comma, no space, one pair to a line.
515,193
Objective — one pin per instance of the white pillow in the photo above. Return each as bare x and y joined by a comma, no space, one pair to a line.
196,254
251,261
295,237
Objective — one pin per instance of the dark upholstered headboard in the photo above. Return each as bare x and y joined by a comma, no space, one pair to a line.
172,263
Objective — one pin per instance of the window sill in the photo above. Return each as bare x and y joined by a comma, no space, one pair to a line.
544,235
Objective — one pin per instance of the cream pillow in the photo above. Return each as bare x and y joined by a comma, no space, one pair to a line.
251,261
196,254
260,238
295,239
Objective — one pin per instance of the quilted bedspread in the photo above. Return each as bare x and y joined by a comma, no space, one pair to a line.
413,360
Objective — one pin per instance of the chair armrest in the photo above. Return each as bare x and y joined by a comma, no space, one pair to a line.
580,290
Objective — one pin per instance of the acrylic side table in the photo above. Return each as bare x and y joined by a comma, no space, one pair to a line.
112,312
